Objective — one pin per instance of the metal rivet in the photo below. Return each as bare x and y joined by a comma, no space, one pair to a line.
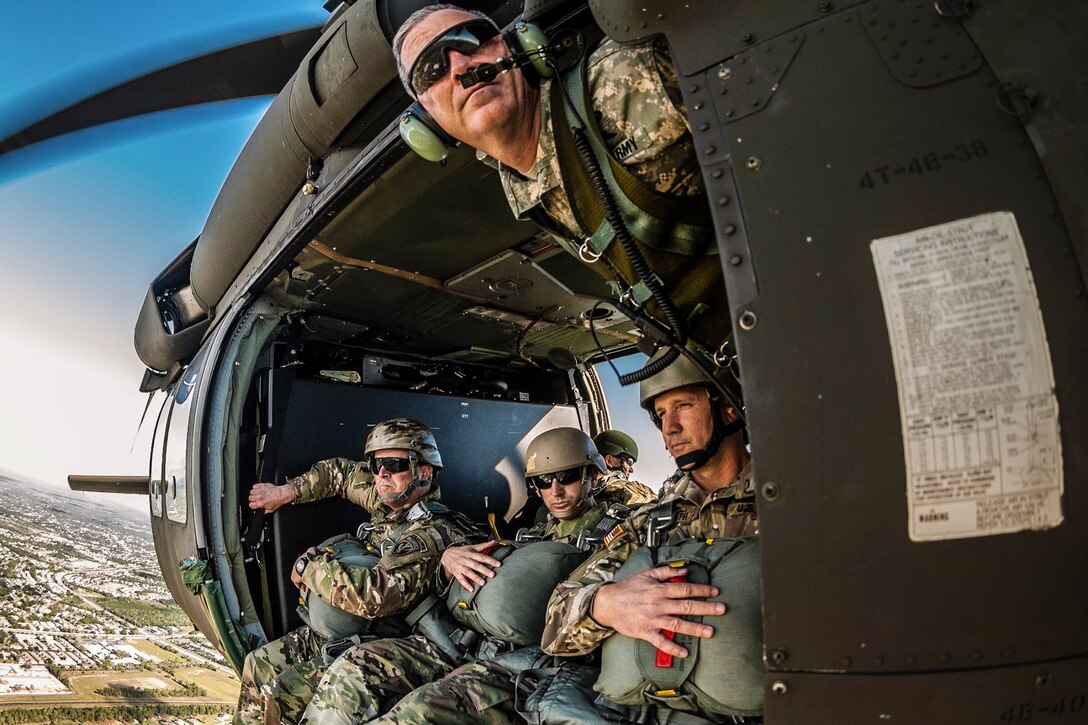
694,88
747,37
728,113
878,661
704,126
736,259
730,229
825,7
770,490
724,73
717,174
309,188
779,687
847,661
1042,679
754,163
698,105
780,654
748,321
710,150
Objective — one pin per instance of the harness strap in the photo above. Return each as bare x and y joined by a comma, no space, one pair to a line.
660,221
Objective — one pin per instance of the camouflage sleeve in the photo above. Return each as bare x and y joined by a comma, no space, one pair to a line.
336,477
569,630
404,575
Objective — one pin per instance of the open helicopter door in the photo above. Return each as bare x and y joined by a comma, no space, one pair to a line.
900,231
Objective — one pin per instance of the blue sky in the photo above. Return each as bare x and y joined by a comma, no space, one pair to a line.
87,221
86,224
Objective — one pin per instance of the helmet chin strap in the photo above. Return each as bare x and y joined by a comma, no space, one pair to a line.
722,430
396,500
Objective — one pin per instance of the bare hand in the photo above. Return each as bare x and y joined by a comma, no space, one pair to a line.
270,497
647,603
469,565
296,578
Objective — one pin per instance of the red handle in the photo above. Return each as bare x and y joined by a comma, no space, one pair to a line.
664,659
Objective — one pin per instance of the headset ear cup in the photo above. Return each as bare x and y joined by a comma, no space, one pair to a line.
424,136
526,38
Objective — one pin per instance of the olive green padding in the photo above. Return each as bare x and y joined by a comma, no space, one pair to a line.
559,449
324,618
614,442
422,139
511,606
726,670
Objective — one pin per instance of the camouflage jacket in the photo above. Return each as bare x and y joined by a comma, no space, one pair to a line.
408,569
730,511
553,529
617,488
636,96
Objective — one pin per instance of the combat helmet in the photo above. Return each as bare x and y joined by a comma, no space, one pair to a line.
615,442
404,434
559,449
680,373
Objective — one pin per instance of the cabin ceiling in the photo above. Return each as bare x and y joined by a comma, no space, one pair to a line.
432,258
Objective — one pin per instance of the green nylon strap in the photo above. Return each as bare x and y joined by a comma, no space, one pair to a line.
660,221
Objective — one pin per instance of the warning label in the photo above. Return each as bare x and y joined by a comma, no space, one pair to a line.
976,387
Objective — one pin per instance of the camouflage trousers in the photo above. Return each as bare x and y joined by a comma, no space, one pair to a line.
368,679
279,678
481,692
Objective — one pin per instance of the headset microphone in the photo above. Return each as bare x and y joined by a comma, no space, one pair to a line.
487,72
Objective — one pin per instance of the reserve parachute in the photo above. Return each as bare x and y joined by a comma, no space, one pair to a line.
722,674
332,622
511,606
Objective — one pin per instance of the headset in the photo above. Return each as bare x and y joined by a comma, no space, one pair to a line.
531,52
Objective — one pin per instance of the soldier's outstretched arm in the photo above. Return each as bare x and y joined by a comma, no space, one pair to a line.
269,496
336,477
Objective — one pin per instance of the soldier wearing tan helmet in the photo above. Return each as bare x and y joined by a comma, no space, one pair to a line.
409,528
563,466
710,499
620,455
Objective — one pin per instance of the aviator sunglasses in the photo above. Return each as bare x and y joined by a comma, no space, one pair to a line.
391,464
565,478
433,62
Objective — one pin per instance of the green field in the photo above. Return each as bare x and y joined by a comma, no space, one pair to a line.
145,614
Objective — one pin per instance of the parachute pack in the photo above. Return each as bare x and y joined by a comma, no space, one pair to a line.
512,605
722,674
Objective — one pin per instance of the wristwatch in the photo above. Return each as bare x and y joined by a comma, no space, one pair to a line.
300,564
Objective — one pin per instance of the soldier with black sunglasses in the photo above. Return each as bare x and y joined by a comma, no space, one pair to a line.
409,528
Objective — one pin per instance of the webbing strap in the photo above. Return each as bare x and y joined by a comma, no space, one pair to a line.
661,221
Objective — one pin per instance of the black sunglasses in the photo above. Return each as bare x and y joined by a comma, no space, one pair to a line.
391,464
433,62
565,478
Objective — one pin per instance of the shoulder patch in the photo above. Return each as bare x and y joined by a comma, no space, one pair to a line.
617,534
408,549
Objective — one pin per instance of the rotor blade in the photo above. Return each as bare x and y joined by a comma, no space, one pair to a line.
255,68
109,484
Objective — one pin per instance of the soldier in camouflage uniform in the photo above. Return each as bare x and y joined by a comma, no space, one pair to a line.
714,497
562,465
634,99
620,455
396,484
